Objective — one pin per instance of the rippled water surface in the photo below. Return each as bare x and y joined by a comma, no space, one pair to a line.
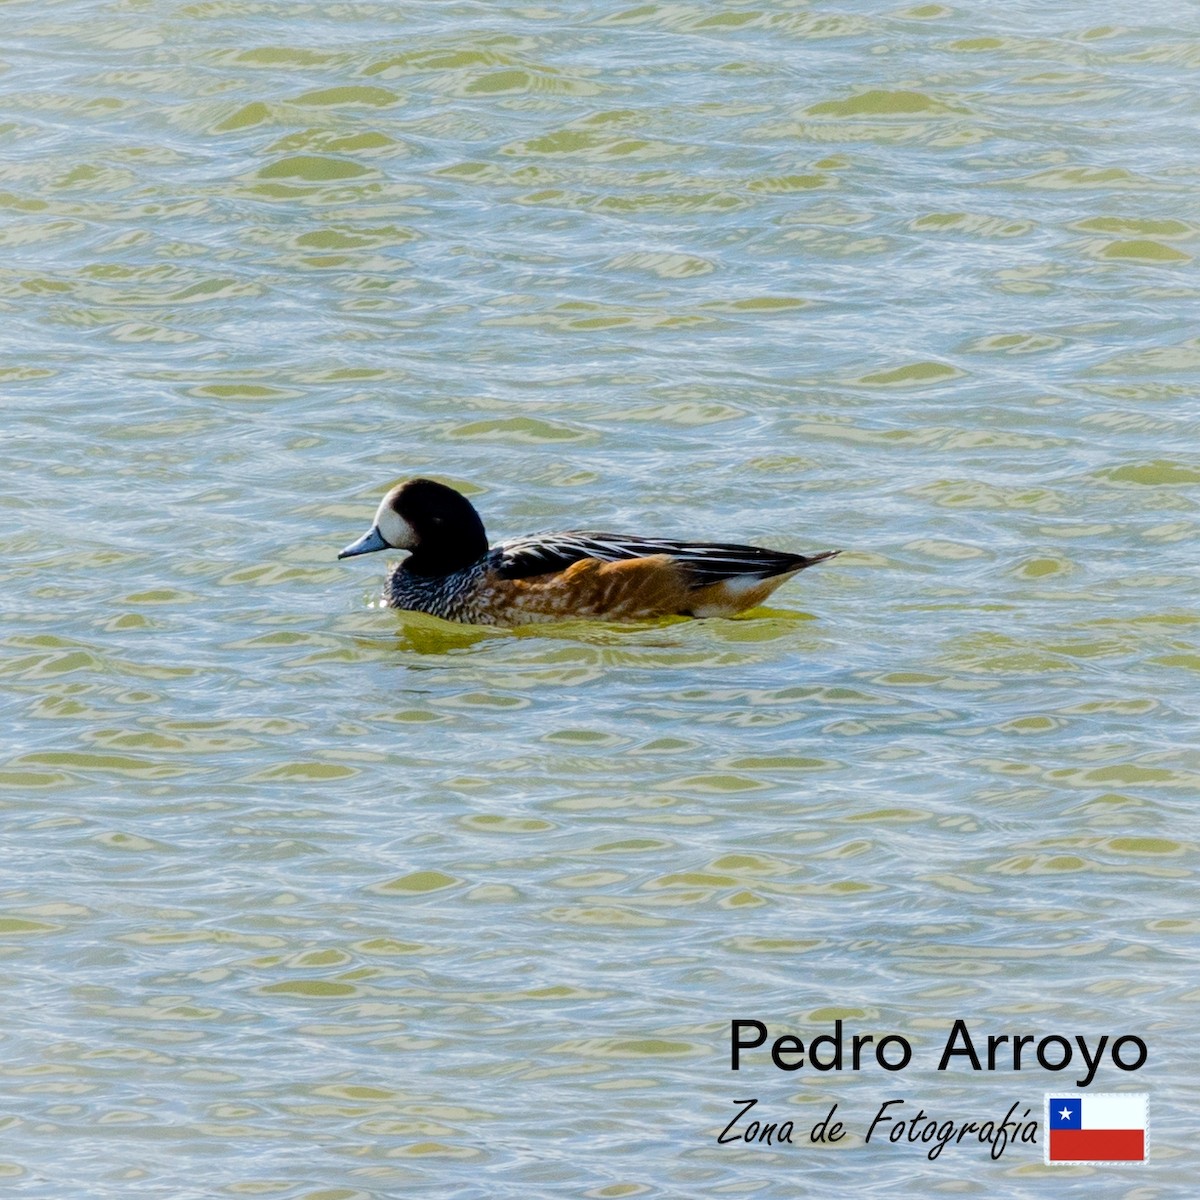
307,899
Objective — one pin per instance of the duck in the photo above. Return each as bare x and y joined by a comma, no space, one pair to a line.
451,572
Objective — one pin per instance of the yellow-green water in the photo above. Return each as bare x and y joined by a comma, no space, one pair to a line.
305,899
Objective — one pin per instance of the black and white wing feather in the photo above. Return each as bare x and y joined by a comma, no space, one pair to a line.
706,562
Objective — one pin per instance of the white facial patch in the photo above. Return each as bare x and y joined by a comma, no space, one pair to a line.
396,531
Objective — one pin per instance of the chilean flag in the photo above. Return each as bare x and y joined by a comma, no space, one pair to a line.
1105,1128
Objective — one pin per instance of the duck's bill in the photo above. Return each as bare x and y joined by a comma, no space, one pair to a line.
371,540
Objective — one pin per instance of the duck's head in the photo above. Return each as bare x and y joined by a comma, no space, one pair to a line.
437,525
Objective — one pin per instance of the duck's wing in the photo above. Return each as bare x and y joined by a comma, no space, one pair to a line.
705,562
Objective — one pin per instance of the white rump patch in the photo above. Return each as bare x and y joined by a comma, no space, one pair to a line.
737,591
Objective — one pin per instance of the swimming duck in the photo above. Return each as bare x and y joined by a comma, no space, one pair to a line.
452,573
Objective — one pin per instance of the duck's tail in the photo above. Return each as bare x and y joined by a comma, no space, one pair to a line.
735,593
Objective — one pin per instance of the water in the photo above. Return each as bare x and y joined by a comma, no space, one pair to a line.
308,899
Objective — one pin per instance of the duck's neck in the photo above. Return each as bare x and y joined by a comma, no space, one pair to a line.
452,552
